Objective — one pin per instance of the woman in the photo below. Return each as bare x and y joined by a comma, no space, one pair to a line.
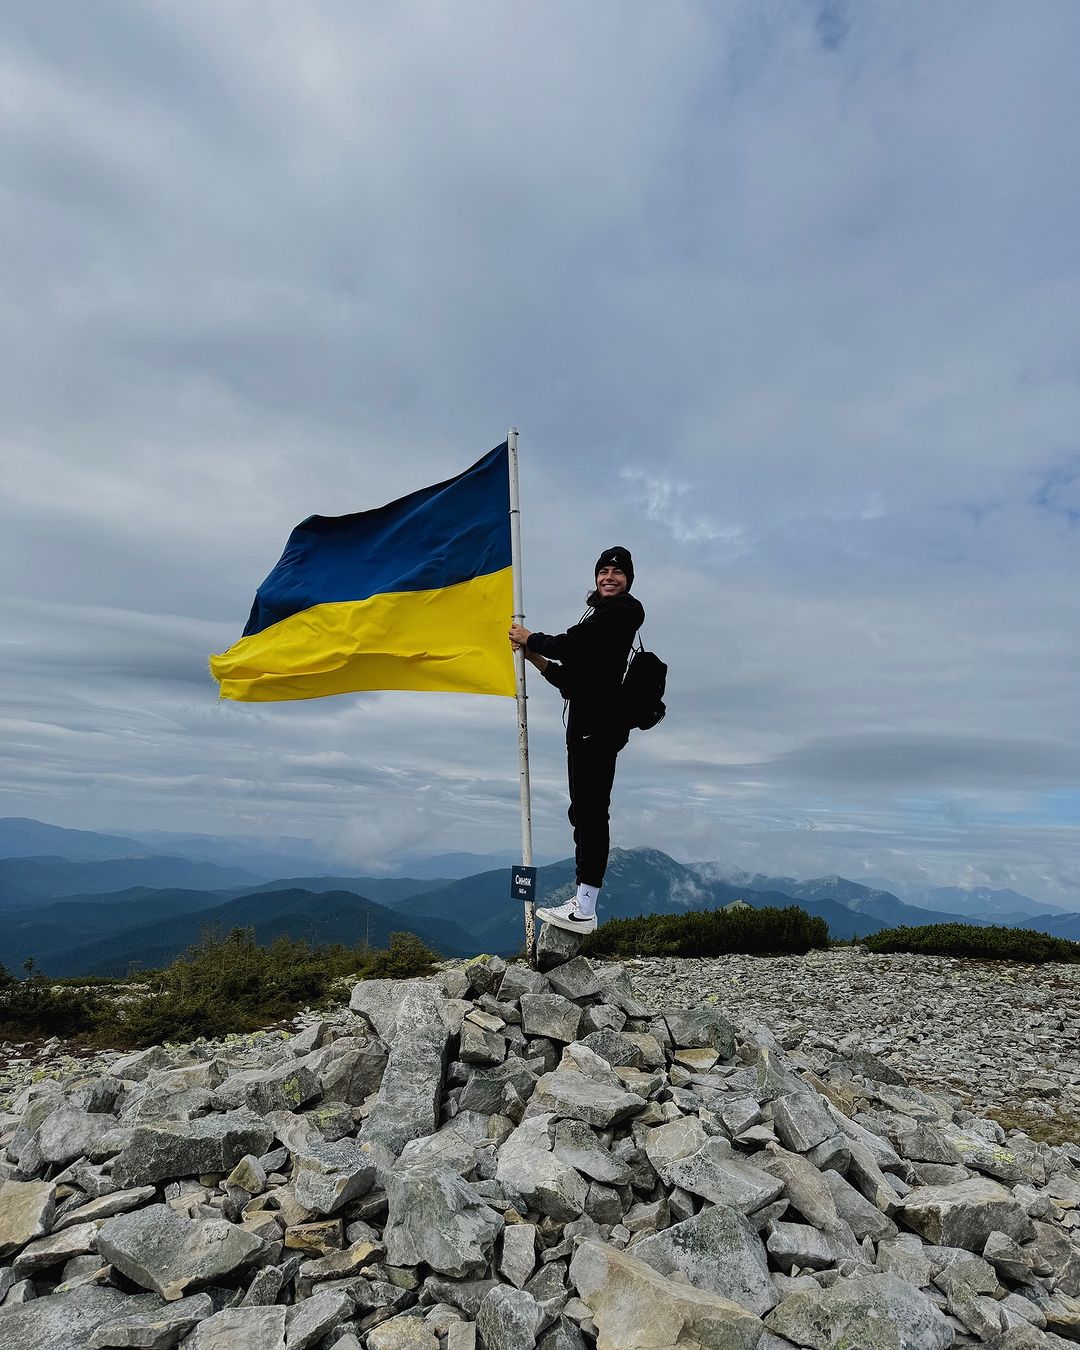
586,665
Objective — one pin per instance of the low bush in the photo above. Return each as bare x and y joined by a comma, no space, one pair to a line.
220,985
405,958
994,943
33,1008
709,933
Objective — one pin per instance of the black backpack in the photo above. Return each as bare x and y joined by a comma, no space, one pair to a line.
643,690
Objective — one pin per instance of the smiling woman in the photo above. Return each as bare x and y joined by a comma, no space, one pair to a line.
586,665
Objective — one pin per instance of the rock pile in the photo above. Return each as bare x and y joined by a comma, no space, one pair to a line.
1003,1035
509,1159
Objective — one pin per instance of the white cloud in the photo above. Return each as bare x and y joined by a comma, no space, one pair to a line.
783,297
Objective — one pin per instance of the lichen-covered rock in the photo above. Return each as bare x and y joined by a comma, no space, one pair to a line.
66,1321
329,1175
873,1312
509,1319
407,1105
965,1214
26,1212
240,1329
528,1167
717,1250
162,1251
636,1308
190,1148
437,1219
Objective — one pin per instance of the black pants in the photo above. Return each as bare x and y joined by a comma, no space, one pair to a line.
590,771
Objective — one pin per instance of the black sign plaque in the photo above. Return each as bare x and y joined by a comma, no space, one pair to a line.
523,883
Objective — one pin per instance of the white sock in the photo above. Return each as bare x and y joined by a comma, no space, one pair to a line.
586,900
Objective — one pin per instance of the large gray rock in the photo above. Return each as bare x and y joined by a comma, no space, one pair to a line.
67,1133
67,1321
863,1218
517,1261
698,1027
329,1175
614,1047
348,1069
577,1145
509,1319
804,1186
307,1322
162,1251
380,1001
573,1096
479,1046
775,1077
240,1329
105,1206
435,1218
801,1121
446,1148
282,1087
725,1180
673,1140
554,946
486,1090
405,1332
26,1212
717,1250
190,1148
871,1312
528,1167
965,1214
520,979
798,1244
139,1065
550,1015
46,1252
574,979
154,1328
636,1308
411,1088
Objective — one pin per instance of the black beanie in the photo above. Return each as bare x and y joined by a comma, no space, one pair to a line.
616,557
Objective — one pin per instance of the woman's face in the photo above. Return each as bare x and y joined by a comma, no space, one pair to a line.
610,581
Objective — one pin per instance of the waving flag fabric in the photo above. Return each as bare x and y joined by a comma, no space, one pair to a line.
414,595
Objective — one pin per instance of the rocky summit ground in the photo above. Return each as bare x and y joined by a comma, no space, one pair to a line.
1003,1035
501,1158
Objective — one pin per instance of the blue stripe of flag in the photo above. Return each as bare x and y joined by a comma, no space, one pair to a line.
433,538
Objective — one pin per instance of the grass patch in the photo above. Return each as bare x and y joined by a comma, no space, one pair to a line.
710,932
1055,1129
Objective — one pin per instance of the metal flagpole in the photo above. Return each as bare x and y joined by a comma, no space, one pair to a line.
519,671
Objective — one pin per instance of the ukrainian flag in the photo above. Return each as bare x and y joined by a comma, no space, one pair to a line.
414,595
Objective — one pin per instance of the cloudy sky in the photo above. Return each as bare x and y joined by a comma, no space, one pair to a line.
784,296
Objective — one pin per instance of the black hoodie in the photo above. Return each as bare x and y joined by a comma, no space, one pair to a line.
592,660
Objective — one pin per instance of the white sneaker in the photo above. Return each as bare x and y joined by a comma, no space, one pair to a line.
569,917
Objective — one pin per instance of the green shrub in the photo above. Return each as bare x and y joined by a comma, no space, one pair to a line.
220,985
405,958
709,933
994,943
34,1008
